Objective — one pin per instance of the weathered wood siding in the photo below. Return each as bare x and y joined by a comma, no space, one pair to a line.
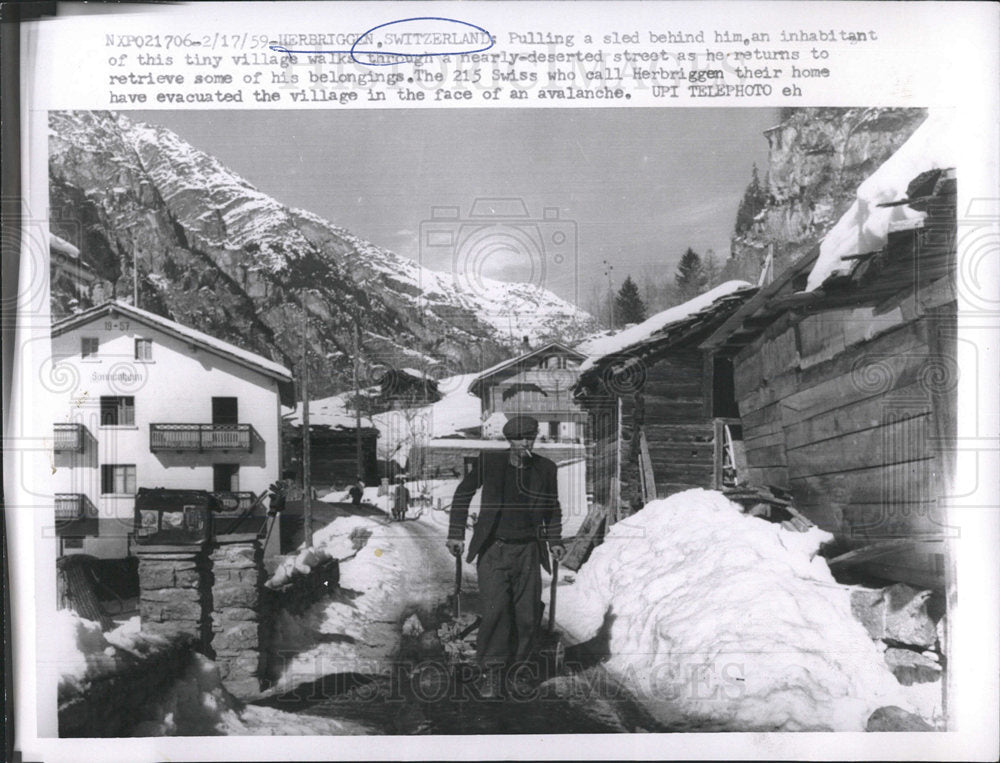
848,410
677,426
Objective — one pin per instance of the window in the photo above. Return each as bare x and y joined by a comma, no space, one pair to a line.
225,478
553,430
225,410
143,349
117,411
72,542
88,346
117,479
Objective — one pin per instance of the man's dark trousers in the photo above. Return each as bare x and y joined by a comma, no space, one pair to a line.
510,587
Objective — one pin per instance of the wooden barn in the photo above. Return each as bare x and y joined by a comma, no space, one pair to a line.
845,382
333,455
653,410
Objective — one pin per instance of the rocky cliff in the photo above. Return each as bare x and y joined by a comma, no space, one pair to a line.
817,159
214,253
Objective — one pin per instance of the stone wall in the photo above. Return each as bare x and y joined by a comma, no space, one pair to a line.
215,596
175,592
241,616
211,593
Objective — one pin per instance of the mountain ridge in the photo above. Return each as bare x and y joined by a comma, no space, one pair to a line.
214,252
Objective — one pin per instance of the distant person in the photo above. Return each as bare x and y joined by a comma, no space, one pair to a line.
357,492
400,500
519,514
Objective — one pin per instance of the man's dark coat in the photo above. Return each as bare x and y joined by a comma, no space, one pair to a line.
544,509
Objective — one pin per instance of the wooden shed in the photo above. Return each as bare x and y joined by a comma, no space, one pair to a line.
333,455
652,408
847,390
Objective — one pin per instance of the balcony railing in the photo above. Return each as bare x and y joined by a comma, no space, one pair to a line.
69,506
235,500
68,438
200,437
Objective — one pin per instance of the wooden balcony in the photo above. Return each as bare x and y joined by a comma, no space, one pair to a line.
70,506
68,438
201,437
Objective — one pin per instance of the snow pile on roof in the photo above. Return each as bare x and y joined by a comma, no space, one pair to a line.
865,226
721,621
608,345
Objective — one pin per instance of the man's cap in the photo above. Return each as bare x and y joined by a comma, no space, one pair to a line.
520,427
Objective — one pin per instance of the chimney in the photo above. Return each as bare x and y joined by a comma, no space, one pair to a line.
525,345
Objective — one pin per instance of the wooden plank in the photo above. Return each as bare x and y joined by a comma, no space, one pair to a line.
775,389
767,475
761,417
901,442
591,531
773,455
873,379
680,412
859,415
761,438
873,485
868,553
646,470
901,340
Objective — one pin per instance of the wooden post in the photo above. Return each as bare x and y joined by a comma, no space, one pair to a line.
357,402
307,536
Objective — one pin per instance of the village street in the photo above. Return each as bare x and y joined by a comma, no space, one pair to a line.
371,656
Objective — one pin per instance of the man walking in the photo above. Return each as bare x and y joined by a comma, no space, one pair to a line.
519,514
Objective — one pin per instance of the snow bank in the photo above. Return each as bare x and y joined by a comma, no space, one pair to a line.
865,226
338,540
83,652
722,621
198,705
620,341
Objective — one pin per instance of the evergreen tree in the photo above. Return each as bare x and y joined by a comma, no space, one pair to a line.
629,307
690,276
710,268
753,201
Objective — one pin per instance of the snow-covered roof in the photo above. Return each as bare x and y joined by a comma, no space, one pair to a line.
511,362
624,340
211,343
865,226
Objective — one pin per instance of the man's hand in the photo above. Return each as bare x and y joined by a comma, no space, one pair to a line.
455,547
558,551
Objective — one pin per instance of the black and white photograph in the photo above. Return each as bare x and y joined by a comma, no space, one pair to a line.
556,420
706,457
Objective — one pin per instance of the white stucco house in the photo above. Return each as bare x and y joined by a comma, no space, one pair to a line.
154,403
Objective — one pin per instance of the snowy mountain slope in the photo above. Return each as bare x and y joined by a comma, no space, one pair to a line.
215,253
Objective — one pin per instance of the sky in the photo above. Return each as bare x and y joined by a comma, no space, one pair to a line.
631,187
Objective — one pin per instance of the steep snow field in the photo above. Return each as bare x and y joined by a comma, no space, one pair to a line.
720,621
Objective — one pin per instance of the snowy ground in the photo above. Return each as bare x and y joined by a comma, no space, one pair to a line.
712,619
401,568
